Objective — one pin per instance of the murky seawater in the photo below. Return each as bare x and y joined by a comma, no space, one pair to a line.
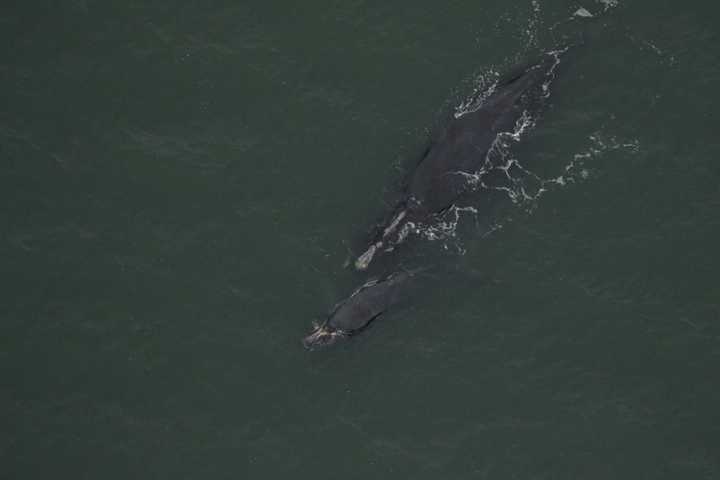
181,185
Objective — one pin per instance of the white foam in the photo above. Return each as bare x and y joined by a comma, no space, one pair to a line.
608,4
583,13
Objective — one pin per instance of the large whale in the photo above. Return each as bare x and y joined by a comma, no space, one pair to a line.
355,313
459,151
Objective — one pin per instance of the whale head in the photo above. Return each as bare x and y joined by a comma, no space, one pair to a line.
363,261
322,336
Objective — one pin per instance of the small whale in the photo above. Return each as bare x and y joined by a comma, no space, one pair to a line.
355,313
459,151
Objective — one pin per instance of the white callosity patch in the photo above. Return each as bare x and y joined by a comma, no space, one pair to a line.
393,225
363,261
322,335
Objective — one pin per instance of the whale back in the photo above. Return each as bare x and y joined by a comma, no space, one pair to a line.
462,148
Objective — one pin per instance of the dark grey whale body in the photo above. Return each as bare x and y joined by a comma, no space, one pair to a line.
459,151
362,307
458,154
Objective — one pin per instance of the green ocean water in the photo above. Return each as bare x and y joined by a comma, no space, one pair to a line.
179,186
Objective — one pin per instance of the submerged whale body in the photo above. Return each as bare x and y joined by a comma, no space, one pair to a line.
459,152
356,312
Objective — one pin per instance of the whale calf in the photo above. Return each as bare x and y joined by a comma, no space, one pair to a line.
356,312
459,152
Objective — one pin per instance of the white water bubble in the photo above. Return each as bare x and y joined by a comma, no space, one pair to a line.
583,13
608,3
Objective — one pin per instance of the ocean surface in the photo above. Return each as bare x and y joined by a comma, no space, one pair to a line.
181,184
